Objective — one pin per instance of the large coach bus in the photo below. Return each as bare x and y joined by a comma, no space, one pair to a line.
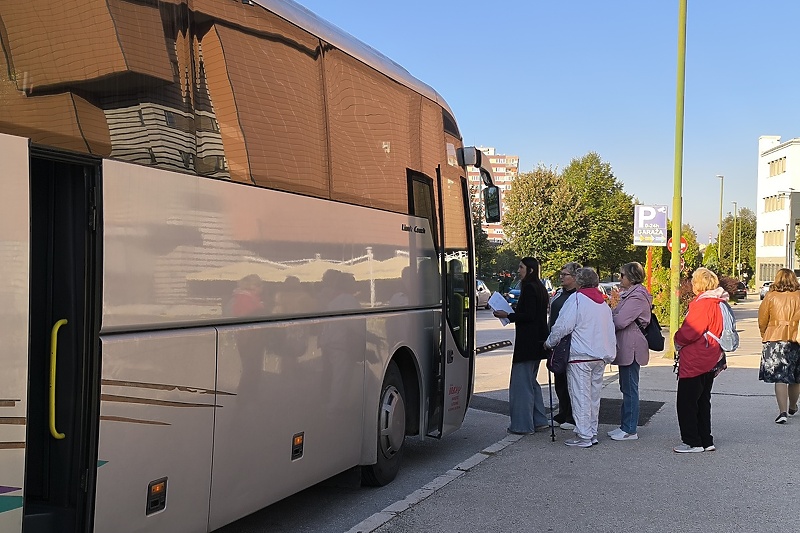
236,257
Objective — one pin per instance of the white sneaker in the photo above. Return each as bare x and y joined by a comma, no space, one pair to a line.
615,431
584,443
711,448
624,436
685,448
566,425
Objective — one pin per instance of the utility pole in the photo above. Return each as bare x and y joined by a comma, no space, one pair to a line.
677,194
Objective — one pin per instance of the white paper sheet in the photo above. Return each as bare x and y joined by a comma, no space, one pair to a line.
498,303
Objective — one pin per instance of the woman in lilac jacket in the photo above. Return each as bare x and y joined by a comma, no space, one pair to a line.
632,311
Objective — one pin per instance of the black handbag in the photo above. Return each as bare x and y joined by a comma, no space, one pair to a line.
652,332
559,356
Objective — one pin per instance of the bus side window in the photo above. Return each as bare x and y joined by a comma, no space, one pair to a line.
420,200
458,299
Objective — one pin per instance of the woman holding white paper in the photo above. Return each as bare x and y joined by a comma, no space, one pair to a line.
526,405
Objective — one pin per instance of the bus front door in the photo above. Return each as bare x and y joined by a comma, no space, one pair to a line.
63,367
458,313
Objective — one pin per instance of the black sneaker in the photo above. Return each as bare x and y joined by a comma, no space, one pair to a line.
793,412
781,418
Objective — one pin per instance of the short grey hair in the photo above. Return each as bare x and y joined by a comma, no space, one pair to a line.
572,268
634,272
587,277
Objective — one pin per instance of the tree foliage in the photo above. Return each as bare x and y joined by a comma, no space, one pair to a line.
710,259
582,214
544,218
609,211
745,252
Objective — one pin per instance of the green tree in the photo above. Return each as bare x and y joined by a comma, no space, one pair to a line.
545,218
745,233
710,259
608,211
505,259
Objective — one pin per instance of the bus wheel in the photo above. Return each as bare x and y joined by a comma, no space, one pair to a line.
391,430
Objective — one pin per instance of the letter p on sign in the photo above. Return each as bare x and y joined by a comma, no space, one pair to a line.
646,213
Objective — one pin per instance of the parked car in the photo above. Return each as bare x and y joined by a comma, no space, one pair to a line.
741,291
764,288
513,293
607,288
482,294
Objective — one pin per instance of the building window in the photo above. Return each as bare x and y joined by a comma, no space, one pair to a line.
774,238
767,271
778,166
775,203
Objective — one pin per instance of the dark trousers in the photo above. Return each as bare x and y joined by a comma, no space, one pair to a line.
564,405
694,410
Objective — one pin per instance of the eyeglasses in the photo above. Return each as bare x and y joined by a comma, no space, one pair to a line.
564,274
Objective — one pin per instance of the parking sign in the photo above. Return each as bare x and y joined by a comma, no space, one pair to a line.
649,225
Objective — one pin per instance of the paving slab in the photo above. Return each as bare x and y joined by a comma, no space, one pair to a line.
535,484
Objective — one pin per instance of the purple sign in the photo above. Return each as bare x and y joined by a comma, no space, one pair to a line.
649,225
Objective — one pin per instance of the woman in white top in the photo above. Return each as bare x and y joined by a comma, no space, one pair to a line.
587,317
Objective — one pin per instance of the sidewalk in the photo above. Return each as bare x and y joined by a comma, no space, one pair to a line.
531,483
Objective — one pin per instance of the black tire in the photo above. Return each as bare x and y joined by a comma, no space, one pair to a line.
391,430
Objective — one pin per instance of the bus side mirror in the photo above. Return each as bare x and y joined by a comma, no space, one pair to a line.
471,156
491,204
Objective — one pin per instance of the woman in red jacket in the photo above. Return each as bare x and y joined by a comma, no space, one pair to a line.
698,356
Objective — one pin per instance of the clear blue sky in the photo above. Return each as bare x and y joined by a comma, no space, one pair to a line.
551,80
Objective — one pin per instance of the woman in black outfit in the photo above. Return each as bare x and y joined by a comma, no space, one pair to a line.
525,401
568,287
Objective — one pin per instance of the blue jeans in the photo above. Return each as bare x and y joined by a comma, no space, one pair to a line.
525,402
629,385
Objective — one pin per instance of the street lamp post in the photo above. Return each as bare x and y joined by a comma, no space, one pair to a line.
719,233
740,263
733,247
790,228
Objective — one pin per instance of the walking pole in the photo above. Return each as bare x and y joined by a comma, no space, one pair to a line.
552,422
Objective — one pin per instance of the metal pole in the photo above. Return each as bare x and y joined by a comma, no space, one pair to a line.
787,246
719,233
739,264
733,247
677,207
791,234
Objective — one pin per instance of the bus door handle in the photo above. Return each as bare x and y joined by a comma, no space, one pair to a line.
53,350
449,356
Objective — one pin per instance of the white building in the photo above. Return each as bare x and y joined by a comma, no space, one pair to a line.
778,208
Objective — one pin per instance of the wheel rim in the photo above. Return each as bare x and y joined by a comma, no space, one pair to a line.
392,423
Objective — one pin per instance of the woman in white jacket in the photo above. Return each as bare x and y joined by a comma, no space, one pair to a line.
587,317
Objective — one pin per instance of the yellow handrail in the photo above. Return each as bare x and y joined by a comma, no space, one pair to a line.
53,350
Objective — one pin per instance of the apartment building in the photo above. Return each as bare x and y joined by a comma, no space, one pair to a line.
504,169
778,208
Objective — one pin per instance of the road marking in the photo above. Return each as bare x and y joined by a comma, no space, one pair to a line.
380,518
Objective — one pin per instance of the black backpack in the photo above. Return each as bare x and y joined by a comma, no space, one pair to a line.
652,332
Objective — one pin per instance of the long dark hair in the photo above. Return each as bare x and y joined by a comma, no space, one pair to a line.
533,277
